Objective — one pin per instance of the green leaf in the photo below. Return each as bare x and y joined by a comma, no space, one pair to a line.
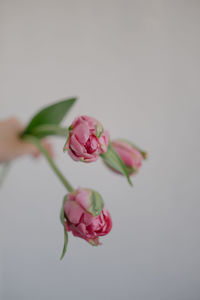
65,244
96,204
114,161
52,114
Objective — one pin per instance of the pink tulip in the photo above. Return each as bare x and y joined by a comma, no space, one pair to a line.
129,154
79,219
87,139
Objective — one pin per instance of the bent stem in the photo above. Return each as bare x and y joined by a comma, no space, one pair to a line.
47,129
39,145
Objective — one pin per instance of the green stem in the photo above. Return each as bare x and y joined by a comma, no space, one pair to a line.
47,129
39,145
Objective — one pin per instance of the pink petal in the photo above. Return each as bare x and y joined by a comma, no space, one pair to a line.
71,196
83,198
90,157
73,156
76,147
88,218
92,144
91,122
130,156
73,211
81,228
82,133
125,155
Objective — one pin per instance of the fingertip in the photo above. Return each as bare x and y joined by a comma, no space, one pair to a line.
48,146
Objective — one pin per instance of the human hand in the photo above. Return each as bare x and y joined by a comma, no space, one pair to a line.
11,146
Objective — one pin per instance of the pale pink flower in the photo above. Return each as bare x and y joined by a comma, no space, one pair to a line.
129,154
79,219
87,139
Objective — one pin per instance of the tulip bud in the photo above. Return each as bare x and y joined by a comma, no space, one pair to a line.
87,139
85,216
131,155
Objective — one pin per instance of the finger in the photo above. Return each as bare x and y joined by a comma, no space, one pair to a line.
14,123
26,148
48,146
30,149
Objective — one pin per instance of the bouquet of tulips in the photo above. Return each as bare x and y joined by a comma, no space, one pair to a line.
83,211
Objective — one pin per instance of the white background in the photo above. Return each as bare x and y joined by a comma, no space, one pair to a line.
134,66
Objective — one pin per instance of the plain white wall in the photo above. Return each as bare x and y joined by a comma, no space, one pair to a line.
135,66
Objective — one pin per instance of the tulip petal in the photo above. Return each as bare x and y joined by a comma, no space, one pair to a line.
130,156
83,198
82,133
73,156
73,211
76,147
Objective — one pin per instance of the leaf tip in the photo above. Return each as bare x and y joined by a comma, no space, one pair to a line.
62,256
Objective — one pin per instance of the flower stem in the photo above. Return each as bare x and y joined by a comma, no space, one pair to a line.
47,129
38,144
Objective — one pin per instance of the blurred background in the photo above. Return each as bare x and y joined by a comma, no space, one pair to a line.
135,66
